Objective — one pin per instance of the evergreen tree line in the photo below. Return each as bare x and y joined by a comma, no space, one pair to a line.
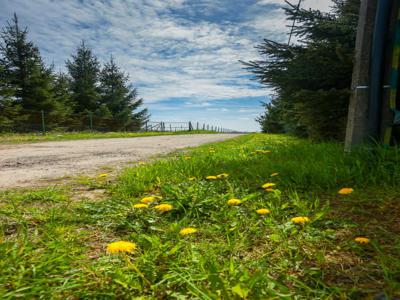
311,78
88,91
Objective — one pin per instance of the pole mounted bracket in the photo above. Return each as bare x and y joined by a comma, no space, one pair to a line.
396,117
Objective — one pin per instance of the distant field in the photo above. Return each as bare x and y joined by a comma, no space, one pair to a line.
53,241
17,138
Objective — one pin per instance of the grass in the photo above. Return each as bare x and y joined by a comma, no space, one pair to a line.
18,138
53,240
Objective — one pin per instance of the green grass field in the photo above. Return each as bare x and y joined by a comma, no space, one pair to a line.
53,241
18,138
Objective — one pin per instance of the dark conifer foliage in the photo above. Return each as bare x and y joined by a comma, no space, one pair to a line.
65,105
10,109
24,70
311,78
120,98
84,70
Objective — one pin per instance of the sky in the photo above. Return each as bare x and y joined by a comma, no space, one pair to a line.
182,55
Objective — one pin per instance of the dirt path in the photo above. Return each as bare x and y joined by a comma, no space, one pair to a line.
27,165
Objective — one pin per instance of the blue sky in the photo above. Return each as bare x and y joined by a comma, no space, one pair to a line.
182,55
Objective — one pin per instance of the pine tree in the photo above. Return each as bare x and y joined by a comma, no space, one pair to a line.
84,72
24,69
311,78
120,98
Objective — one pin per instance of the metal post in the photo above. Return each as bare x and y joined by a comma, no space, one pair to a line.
170,127
190,126
197,127
43,124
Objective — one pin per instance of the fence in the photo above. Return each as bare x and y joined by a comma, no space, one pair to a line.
43,121
182,126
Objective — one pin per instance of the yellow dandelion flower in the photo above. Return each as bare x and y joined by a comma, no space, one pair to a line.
263,211
150,199
234,201
163,207
300,220
147,200
223,175
141,163
345,191
361,240
121,246
274,174
140,205
269,190
268,185
211,177
103,175
186,157
192,178
187,230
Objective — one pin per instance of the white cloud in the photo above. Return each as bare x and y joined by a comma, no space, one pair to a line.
171,48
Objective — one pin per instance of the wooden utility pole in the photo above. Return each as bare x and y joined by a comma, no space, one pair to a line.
357,130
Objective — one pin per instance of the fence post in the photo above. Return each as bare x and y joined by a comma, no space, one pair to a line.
197,127
170,127
91,121
43,124
204,126
190,126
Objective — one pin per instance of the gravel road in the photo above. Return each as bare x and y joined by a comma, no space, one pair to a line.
26,165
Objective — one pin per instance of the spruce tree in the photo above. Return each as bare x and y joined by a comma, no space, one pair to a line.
83,70
120,99
311,78
65,106
24,69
